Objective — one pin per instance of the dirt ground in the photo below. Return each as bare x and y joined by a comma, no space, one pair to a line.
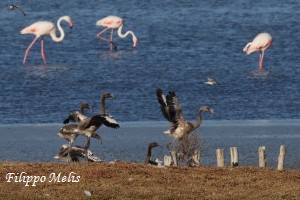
137,181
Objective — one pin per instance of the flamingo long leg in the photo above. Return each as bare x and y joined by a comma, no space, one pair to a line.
261,60
111,37
42,49
99,34
27,50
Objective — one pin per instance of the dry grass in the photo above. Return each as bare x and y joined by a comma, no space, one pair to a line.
187,148
138,181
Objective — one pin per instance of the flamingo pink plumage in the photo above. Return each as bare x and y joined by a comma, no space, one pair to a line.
260,43
114,22
41,28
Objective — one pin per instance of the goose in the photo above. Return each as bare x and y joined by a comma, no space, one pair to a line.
89,125
77,116
148,158
172,111
75,153
70,132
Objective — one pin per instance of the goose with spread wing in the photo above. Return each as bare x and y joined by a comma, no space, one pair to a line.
172,111
89,125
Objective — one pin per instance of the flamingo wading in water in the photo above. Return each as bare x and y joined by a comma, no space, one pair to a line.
260,43
114,22
41,28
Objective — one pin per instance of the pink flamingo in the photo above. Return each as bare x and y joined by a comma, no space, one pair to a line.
260,43
41,28
113,22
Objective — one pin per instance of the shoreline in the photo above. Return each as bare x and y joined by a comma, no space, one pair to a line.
210,123
123,180
40,142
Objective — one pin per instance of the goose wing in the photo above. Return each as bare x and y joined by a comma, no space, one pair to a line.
74,117
69,129
109,121
175,111
98,120
163,103
171,109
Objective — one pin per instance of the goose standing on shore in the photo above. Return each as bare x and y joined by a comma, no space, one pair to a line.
76,153
70,132
171,109
149,153
89,125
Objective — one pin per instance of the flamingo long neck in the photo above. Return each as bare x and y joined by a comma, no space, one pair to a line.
126,34
102,111
62,33
148,155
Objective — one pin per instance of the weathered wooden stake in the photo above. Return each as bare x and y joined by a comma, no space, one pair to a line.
174,158
234,157
220,157
167,160
196,158
262,156
281,157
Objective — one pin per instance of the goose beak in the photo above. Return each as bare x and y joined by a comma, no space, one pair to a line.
90,108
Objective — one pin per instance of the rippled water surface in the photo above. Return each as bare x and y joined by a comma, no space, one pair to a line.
180,43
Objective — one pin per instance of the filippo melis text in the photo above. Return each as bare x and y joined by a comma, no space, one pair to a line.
33,180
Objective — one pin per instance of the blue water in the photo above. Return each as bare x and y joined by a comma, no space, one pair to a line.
180,43
39,143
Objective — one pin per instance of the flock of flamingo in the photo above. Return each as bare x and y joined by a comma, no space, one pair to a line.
41,28
87,126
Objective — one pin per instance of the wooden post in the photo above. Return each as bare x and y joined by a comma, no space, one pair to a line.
220,157
196,158
262,156
234,157
167,160
281,157
174,158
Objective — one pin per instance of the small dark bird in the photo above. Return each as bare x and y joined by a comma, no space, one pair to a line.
12,7
211,82
149,153
172,111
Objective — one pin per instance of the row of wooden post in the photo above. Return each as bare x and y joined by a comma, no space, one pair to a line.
172,160
261,157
